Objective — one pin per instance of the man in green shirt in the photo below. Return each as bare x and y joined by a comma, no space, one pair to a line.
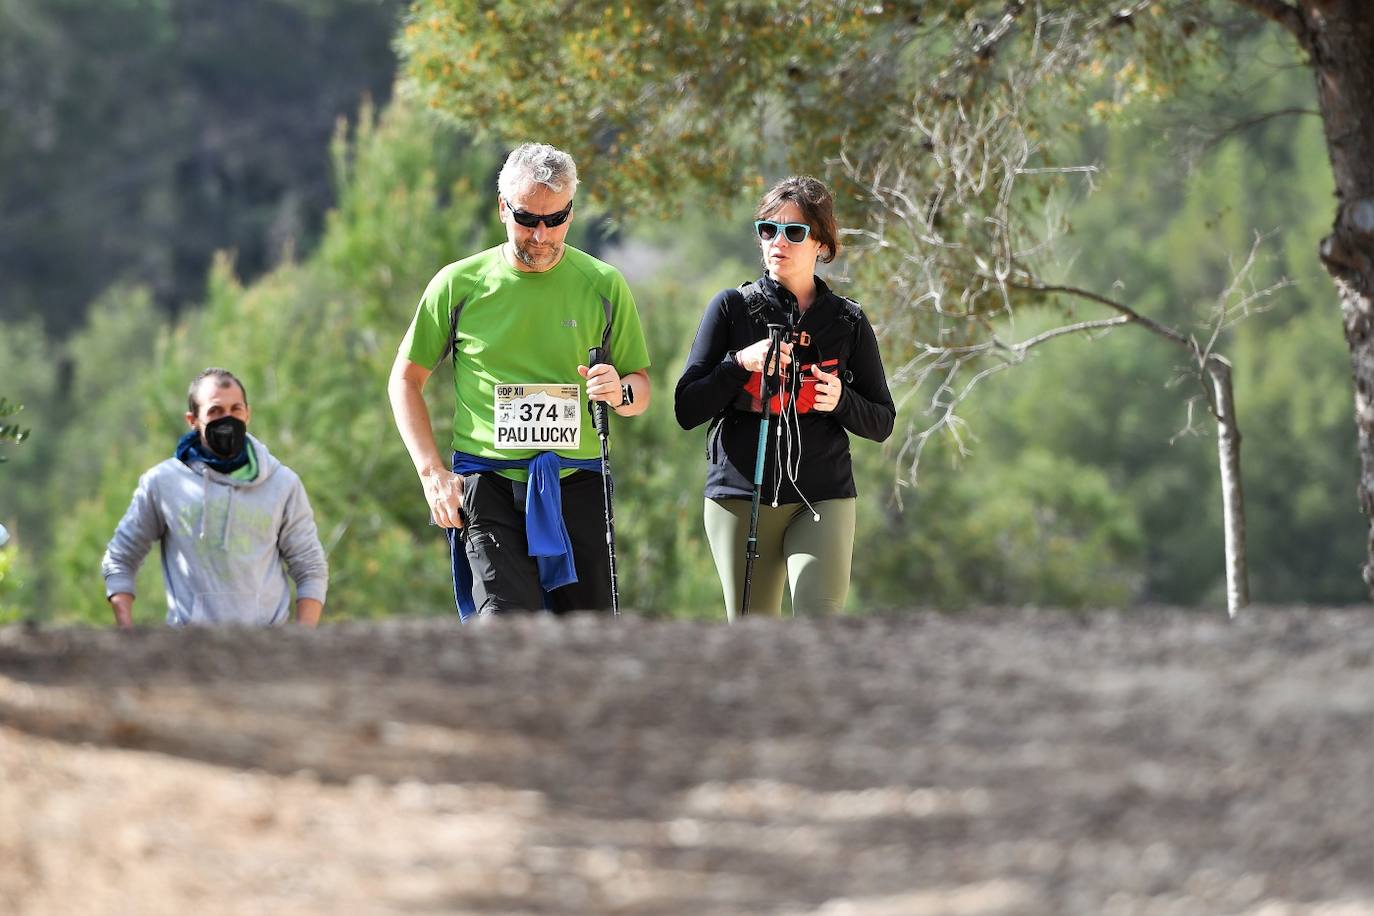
518,321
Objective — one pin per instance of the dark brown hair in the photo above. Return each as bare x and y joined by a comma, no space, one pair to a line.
813,199
225,377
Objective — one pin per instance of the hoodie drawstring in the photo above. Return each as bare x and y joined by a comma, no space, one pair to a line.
228,518
205,510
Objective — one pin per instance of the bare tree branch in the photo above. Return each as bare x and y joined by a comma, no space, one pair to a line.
1226,133
1239,299
1079,328
1189,427
1121,307
948,363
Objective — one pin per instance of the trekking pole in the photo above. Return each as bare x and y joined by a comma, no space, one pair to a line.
603,430
751,546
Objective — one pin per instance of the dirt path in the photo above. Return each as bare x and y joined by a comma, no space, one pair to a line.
999,763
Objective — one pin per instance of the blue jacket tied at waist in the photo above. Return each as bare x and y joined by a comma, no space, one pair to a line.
545,531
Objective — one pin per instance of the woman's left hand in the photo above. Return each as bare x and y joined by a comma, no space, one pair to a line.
828,389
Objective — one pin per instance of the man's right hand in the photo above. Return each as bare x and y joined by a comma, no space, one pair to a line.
444,492
123,605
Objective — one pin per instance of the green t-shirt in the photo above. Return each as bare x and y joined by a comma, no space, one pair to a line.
519,328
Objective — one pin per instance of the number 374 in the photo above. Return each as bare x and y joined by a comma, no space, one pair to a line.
531,412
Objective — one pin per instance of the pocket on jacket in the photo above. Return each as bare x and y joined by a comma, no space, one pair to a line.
229,607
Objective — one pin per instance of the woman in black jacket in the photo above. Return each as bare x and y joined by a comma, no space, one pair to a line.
831,384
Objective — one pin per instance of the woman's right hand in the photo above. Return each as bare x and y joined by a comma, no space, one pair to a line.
752,356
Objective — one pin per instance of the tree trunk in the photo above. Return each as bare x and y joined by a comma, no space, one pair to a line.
1339,36
1232,495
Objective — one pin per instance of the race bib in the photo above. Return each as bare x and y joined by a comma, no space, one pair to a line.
544,417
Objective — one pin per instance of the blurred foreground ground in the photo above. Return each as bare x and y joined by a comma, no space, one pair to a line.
1153,762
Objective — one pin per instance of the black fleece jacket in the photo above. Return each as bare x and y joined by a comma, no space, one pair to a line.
833,332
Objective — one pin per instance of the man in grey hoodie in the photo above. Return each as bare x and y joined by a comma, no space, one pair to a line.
227,515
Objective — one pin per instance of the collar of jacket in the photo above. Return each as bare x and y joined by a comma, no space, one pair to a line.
769,301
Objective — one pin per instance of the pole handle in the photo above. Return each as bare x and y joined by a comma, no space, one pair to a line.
772,381
599,414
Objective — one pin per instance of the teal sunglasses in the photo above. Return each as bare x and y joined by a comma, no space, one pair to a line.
768,230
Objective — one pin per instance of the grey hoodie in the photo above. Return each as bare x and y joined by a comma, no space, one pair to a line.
223,542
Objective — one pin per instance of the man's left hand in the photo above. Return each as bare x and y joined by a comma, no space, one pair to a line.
603,383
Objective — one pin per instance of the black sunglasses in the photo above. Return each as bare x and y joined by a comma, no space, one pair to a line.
530,220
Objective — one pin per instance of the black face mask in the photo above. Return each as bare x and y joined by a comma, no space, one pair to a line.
225,436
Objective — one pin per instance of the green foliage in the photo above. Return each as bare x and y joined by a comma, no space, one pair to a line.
10,431
1300,460
1170,238
652,99
1110,406
137,137
30,376
79,392
1167,238
73,591
664,100
1039,529
409,201
11,587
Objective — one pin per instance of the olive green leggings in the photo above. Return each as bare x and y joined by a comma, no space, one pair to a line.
814,556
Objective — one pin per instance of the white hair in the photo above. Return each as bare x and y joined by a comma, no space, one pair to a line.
537,163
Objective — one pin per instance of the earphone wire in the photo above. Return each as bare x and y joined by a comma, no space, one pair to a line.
790,419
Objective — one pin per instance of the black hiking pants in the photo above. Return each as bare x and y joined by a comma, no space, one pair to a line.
505,578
